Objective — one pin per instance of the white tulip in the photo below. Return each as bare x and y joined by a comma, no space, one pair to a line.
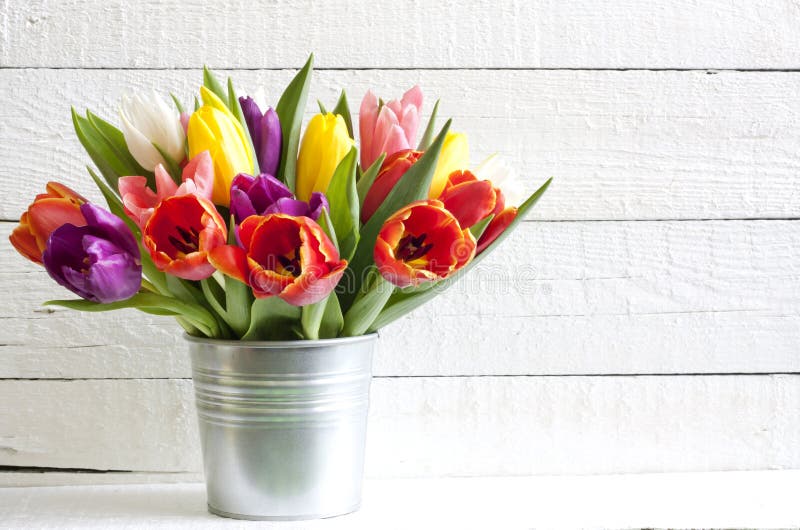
148,120
502,176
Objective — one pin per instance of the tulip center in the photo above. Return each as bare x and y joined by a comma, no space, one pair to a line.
189,240
411,248
290,264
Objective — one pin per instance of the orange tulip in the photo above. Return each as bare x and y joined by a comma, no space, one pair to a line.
470,199
422,242
392,169
180,234
282,255
497,226
59,206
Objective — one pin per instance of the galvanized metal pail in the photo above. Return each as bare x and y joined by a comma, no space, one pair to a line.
283,425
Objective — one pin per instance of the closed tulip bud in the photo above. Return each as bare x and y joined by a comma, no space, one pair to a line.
148,121
325,143
454,156
390,127
392,169
215,129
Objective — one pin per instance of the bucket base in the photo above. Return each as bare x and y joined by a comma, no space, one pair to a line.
305,517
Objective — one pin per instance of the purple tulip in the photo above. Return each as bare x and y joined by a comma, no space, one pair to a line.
265,131
265,194
100,261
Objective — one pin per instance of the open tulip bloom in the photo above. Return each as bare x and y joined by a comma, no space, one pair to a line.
241,225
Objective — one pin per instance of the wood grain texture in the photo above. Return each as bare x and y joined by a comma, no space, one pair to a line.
621,145
557,298
439,426
494,34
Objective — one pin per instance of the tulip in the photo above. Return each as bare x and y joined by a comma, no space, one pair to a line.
265,194
148,121
181,232
502,177
422,242
453,156
285,256
325,143
213,128
98,261
265,131
496,226
60,205
392,169
469,199
390,127
140,201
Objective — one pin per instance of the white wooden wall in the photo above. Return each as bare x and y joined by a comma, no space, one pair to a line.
645,318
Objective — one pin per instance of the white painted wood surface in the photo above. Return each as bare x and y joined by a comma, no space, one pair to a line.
410,34
621,145
674,500
667,245
440,426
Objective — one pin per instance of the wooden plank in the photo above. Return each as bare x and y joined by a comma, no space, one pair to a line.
747,499
621,145
520,34
440,426
557,298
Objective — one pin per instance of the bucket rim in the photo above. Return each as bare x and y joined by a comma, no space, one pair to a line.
300,343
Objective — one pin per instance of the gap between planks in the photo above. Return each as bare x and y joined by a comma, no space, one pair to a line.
710,71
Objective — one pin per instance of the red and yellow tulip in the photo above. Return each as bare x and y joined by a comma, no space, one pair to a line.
180,234
496,226
282,255
58,206
470,199
391,170
422,242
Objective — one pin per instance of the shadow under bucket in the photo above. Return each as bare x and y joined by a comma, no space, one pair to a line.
283,425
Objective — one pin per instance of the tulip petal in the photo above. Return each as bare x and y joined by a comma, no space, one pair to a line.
231,261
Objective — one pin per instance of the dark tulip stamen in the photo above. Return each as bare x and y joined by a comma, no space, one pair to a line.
411,248
189,242
291,265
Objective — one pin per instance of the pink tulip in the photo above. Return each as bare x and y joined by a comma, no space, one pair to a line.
140,201
388,128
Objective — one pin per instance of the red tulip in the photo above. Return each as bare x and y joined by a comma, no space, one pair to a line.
422,242
470,199
59,206
392,169
282,255
497,226
181,232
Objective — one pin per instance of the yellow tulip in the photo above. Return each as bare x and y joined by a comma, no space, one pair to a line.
215,129
454,156
325,143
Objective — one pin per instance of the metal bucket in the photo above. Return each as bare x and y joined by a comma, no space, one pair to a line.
282,425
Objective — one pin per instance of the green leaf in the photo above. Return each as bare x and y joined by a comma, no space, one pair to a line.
290,110
273,319
343,109
327,226
211,82
238,295
368,178
197,315
412,186
332,319
177,102
196,104
404,301
367,307
172,167
343,199
478,228
114,203
321,107
116,141
101,153
236,110
425,141
186,291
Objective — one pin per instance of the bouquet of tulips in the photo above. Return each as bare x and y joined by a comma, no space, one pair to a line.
231,221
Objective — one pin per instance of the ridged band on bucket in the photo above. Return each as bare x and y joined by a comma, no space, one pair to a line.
282,425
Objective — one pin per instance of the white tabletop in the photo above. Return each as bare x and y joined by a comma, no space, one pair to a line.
725,499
